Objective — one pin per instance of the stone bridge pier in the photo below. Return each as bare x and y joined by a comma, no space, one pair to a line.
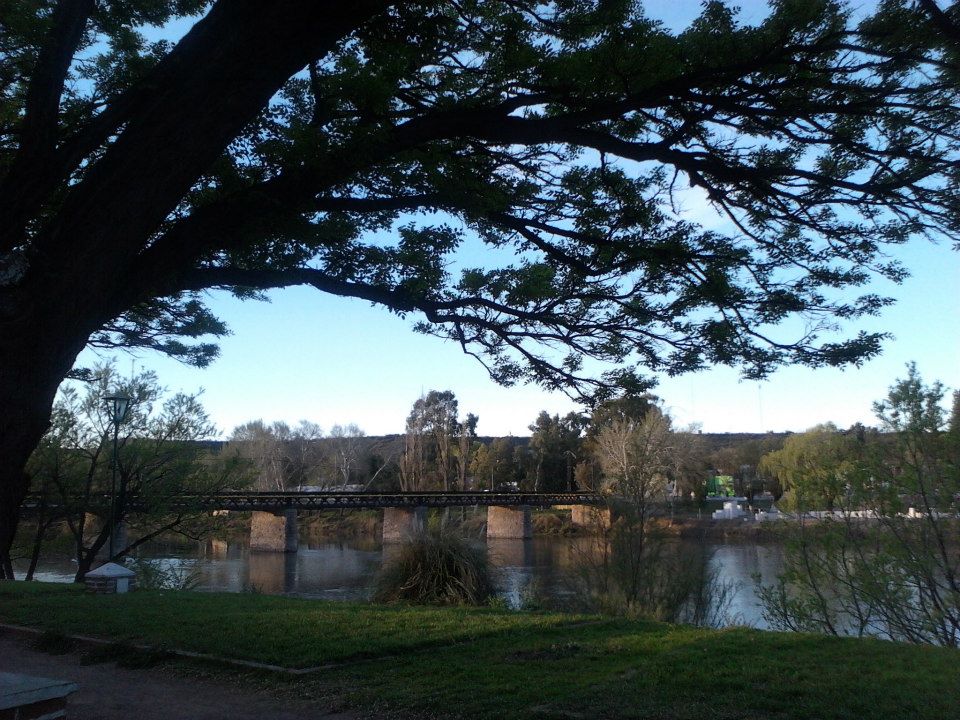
509,522
591,516
402,523
274,532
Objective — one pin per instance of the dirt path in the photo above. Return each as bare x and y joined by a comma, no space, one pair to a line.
109,692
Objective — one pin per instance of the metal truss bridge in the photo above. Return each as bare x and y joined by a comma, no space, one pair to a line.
277,501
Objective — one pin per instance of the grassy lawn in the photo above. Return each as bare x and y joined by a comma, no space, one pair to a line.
290,632
499,664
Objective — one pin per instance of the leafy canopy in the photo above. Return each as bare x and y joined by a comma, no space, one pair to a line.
566,138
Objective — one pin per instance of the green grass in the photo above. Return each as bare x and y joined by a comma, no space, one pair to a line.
290,632
484,663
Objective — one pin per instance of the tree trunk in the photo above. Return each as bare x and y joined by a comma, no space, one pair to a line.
43,524
26,403
38,347
86,556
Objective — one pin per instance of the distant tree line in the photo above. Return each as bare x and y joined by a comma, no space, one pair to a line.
441,450
166,448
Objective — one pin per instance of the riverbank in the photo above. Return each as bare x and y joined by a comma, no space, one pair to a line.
485,662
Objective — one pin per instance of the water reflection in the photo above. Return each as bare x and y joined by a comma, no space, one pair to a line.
345,569
741,564
272,573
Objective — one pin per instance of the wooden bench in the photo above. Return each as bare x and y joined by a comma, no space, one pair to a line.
23,697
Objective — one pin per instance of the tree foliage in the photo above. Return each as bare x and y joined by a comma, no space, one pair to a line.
437,445
364,148
563,135
632,569
556,447
281,457
743,462
816,466
499,465
887,563
160,454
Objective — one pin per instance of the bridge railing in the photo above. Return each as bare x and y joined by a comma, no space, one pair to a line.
320,501
286,500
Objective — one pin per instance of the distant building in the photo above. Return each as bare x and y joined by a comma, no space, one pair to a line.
720,486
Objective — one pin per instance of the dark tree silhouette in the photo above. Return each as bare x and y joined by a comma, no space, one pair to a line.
276,144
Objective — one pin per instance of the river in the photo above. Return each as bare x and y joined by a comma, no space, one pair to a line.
345,569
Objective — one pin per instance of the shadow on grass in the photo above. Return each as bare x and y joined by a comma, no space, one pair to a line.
291,632
125,656
671,672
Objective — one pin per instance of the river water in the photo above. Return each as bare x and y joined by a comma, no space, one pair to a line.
542,567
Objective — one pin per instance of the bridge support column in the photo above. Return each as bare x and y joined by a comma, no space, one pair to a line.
402,523
590,516
274,532
509,522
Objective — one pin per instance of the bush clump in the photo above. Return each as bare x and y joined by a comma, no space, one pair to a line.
436,568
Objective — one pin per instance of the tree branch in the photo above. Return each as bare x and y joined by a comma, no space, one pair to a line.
21,190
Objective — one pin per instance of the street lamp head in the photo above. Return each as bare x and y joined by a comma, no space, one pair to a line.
119,406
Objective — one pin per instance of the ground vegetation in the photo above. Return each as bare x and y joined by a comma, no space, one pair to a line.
491,663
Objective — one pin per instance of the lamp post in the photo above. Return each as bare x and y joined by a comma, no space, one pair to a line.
119,404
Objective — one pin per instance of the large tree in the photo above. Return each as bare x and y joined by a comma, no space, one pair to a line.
814,466
555,446
434,439
160,455
309,142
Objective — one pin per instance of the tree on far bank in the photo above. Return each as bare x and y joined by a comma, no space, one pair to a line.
346,449
282,457
466,433
496,465
555,447
639,461
887,562
159,456
815,466
953,425
623,409
349,147
742,462
437,444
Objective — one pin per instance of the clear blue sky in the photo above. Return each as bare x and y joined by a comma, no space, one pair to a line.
329,360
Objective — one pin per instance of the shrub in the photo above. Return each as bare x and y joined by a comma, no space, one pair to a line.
436,568
548,524
663,580
153,574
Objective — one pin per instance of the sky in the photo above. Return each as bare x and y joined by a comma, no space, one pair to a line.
305,355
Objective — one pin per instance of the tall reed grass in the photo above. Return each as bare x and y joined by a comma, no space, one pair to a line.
436,568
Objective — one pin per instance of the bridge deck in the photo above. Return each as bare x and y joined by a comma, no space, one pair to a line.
277,501
325,501
286,500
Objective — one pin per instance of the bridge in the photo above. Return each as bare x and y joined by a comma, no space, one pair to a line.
273,525
273,501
